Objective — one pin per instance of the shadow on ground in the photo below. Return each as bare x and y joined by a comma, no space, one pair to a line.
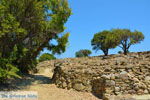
25,81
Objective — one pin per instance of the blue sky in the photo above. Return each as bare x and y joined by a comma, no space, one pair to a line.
92,16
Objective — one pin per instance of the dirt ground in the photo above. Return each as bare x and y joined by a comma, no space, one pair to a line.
41,83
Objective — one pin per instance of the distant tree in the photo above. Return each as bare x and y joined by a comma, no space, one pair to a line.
83,53
119,52
46,56
127,38
104,41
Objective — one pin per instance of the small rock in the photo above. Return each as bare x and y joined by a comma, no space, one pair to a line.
131,91
147,78
123,72
140,92
135,80
117,89
79,87
110,83
146,92
112,76
106,76
64,85
117,93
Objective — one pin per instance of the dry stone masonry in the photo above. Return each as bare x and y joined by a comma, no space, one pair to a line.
105,76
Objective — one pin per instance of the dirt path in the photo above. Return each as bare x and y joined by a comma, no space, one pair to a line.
41,83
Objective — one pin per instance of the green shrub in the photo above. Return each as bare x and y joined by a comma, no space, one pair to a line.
120,52
46,56
83,53
7,70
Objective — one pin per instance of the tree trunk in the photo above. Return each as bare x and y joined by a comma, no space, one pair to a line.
23,66
125,51
125,47
105,52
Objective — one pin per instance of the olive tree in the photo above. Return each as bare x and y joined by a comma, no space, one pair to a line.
104,41
83,53
127,38
27,27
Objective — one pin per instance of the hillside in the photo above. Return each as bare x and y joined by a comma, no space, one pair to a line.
105,76
115,77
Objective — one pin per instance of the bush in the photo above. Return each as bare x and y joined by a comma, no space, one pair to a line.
46,56
7,70
120,52
83,53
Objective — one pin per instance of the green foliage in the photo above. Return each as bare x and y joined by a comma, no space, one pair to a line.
119,52
127,38
46,56
28,26
7,70
104,41
123,38
61,44
83,53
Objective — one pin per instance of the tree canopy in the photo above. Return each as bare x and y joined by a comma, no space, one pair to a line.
28,26
83,53
109,39
127,38
104,41
46,56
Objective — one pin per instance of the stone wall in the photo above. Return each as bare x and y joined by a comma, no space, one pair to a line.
105,76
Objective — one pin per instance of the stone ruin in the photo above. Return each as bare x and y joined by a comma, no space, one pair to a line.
105,76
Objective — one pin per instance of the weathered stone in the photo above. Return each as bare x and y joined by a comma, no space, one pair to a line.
109,91
121,74
110,83
146,91
117,93
131,91
112,77
64,85
69,86
79,87
88,88
117,89
106,76
140,92
147,78
135,80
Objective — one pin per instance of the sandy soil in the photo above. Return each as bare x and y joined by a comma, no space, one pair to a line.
51,92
